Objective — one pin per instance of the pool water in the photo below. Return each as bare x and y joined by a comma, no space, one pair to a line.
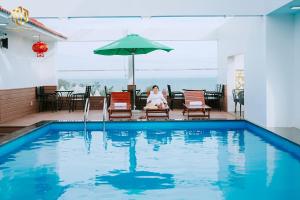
149,161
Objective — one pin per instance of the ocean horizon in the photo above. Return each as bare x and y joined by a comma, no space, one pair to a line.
142,84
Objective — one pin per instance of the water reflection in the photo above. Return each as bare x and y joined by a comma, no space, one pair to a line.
134,180
125,138
87,140
34,183
121,138
196,136
138,180
158,138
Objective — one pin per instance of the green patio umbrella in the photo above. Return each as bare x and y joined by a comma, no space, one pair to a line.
132,44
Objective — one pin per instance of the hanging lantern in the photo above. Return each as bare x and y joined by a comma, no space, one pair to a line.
40,48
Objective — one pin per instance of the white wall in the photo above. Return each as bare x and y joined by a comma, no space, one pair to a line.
296,74
280,64
20,68
271,47
236,62
246,36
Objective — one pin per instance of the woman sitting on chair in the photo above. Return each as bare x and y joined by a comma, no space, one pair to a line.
156,99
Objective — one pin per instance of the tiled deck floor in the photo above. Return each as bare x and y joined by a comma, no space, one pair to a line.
289,133
96,115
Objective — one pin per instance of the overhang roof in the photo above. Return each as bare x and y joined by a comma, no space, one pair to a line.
35,23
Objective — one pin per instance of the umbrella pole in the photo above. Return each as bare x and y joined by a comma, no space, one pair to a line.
133,82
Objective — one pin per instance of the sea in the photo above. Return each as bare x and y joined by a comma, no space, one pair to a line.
177,84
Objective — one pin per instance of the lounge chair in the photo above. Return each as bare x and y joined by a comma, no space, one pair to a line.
120,106
195,104
158,112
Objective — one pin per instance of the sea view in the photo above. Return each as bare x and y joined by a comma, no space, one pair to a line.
142,84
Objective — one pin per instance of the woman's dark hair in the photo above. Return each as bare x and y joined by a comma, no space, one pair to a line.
155,86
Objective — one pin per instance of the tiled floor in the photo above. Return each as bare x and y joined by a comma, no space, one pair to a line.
289,133
96,115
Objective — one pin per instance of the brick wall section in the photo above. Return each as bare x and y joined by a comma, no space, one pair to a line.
96,103
15,103
50,88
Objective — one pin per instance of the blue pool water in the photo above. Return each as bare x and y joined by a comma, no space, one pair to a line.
152,160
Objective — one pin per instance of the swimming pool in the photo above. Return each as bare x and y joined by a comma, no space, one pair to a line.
150,160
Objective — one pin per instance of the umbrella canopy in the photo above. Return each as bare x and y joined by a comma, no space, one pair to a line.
131,45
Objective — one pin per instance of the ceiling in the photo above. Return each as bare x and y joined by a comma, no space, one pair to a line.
104,8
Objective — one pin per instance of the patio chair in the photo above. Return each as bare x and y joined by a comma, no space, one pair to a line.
241,100
215,97
235,98
141,99
79,98
107,96
158,112
174,95
45,100
195,105
120,106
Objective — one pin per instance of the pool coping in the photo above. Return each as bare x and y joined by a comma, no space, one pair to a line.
24,131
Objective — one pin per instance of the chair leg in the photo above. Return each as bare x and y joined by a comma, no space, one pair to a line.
73,105
235,104
83,104
40,105
70,104
240,110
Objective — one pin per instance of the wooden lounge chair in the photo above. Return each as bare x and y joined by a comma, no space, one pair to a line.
158,112
192,106
120,106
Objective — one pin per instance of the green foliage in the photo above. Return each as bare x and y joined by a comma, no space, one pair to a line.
64,83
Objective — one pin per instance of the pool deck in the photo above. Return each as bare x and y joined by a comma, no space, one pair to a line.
97,115
10,130
289,133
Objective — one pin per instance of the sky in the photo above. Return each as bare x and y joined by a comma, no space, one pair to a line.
194,55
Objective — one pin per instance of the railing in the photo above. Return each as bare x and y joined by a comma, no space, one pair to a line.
104,115
104,118
86,111
87,134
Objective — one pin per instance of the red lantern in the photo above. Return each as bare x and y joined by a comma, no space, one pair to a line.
40,48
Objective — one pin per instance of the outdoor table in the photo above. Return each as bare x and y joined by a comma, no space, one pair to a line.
192,90
64,96
213,93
